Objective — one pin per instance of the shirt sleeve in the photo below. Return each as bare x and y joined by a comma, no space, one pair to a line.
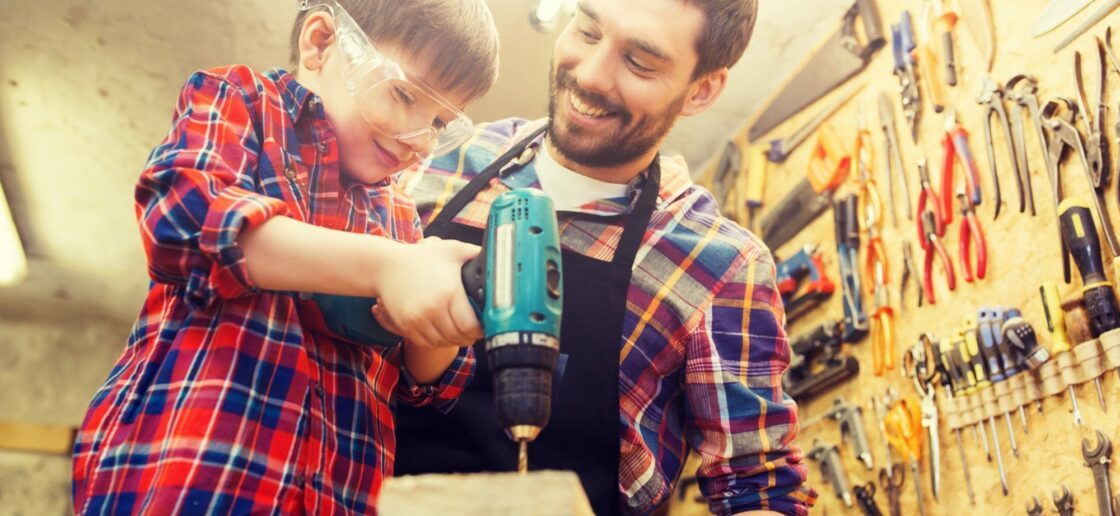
738,418
196,195
443,394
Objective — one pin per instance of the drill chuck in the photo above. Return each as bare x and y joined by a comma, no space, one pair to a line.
522,365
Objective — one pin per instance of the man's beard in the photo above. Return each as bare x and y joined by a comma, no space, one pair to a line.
626,144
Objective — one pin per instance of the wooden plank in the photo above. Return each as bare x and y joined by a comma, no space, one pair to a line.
538,493
38,438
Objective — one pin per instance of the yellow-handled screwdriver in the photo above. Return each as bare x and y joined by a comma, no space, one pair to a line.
1059,340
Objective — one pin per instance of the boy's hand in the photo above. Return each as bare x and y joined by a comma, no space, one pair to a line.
421,296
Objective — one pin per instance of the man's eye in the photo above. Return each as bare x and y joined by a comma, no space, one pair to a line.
587,34
638,66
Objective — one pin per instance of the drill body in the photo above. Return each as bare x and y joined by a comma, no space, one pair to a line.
515,286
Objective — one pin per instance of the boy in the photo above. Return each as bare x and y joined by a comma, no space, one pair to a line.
231,395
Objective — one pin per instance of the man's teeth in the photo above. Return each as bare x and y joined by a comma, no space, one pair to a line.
585,109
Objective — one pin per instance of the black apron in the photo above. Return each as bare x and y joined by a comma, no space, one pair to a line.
583,431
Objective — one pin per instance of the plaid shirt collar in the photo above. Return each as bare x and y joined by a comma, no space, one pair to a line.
521,172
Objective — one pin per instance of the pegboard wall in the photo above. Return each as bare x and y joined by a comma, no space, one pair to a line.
1023,252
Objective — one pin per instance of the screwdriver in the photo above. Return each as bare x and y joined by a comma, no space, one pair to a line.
1011,355
991,319
968,386
1020,336
1059,341
1080,235
971,352
950,381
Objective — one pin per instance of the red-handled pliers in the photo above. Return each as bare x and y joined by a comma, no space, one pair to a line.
928,199
931,243
971,234
955,143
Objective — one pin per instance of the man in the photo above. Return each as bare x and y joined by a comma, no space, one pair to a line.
672,326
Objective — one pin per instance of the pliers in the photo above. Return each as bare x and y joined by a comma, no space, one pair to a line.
955,143
991,97
971,235
1096,146
931,243
902,45
927,198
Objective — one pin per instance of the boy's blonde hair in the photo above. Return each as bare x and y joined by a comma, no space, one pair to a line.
456,39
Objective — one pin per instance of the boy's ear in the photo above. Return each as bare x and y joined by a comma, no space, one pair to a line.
704,91
315,40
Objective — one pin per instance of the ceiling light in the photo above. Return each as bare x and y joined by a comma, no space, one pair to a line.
13,261
548,12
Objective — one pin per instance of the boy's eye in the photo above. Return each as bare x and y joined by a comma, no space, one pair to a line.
403,96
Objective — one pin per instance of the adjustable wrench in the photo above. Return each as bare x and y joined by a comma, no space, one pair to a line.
1097,459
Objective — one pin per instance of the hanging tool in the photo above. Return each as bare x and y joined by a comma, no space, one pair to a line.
1065,136
780,149
958,360
955,144
928,201
991,97
876,269
893,160
850,418
902,44
932,245
1080,234
1097,459
799,295
727,173
1115,62
846,212
756,182
1059,339
1096,146
865,497
832,469
891,478
927,60
1102,10
977,16
919,365
1055,13
944,22
879,406
840,58
817,362
1063,503
972,354
990,320
971,236
940,352
1034,508
828,168
908,270
903,424
1020,350
1021,90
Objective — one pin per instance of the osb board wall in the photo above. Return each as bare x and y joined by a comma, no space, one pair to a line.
1022,253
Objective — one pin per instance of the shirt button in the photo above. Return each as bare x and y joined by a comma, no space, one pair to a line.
324,147
290,171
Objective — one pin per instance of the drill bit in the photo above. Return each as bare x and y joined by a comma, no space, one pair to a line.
523,457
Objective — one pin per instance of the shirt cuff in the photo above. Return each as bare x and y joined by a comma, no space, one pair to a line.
443,394
234,211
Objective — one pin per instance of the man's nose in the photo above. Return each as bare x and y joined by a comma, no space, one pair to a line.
596,70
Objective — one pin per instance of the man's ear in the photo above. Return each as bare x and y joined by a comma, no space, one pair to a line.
704,91
315,40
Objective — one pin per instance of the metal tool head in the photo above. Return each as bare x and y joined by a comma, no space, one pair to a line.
1099,453
1064,501
989,91
1021,86
965,202
950,119
1034,507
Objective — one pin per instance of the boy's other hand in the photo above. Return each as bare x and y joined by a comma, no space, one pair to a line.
421,296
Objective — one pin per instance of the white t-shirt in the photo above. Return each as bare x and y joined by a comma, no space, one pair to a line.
569,189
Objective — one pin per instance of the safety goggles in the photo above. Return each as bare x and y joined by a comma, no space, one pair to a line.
384,92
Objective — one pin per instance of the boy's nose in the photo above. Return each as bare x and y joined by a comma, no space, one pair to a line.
420,144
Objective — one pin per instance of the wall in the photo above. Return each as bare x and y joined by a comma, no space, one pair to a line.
1023,252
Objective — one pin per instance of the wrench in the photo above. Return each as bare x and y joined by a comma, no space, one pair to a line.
1033,507
1063,503
1097,459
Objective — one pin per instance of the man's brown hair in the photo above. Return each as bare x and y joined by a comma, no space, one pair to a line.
456,39
728,25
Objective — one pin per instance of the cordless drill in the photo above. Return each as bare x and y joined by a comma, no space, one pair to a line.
515,286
